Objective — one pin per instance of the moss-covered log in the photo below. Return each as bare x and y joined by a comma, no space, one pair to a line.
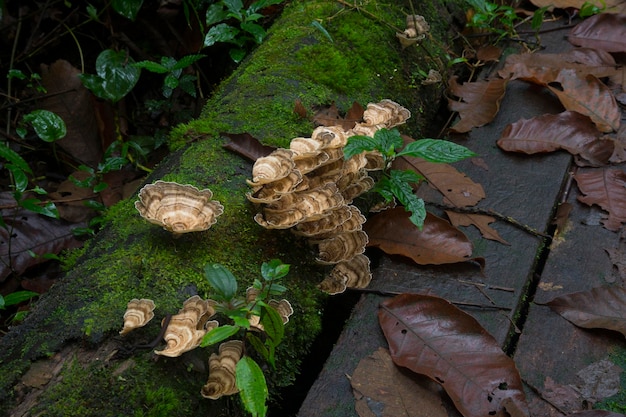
61,361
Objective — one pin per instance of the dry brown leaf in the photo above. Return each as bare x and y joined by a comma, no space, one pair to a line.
565,396
607,189
377,380
437,243
330,116
74,106
612,6
246,145
589,96
481,221
480,102
603,31
600,380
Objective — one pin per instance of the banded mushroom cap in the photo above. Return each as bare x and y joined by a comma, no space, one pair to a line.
222,375
138,314
178,208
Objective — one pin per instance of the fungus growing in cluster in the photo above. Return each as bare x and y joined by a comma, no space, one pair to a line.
187,328
178,208
309,188
138,314
416,29
282,307
222,376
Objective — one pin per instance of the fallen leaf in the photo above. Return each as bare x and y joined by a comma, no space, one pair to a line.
437,243
600,307
330,116
605,31
480,102
566,397
607,189
299,109
430,336
480,221
394,393
246,145
597,413
614,6
589,96
569,130
488,53
600,380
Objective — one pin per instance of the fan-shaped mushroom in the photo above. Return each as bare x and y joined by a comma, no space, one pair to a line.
178,208
385,112
326,224
342,247
138,314
187,328
273,167
222,376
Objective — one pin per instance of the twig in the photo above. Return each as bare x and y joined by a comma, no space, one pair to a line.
486,286
493,213
459,303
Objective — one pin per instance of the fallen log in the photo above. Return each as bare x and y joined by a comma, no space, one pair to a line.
64,359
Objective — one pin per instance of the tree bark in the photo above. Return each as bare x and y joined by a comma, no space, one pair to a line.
67,357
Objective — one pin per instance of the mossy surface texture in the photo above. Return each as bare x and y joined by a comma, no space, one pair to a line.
132,258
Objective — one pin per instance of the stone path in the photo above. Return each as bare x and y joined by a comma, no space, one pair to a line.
528,189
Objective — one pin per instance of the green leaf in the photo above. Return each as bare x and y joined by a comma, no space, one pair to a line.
220,33
261,4
92,12
18,297
404,194
2,303
215,13
101,186
34,205
317,25
274,269
252,386
170,81
127,8
187,60
273,325
187,84
218,334
358,144
222,280
113,163
436,150
13,157
406,176
20,180
48,126
258,345
257,31
15,73
151,66
234,6
237,54
389,141
116,75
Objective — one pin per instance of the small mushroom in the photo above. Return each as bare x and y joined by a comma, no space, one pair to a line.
386,112
326,224
351,224
271,192
342,247
187,328
330,136
222,376
354,190
138,314
273,167
354,273
178,208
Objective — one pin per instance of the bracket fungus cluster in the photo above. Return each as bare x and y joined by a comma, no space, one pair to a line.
222,378
138,314
178,208
309,188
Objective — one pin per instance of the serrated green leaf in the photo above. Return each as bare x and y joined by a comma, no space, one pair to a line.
222,280
257,31
47,125
358,144
406,176
187,84
215,14
220,33
127,8
218,334
436,150
252,386
13,157
187,60
389,141
113,163
92,12
404,194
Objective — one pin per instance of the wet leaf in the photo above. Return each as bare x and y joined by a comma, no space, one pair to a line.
480,221
47,125
601,307
430,336
480,102
607,189
437,243
252,386
116,75
127,8
570,131
330,116
600,380
392,392
589,96
605,31
247,146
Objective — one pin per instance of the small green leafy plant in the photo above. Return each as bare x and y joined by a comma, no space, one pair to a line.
219,16
396,183
174,70
240,310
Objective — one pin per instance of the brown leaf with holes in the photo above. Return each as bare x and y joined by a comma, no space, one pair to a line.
607,189
605,31
437,243
378,382
432,337
600,307
247,146
480,221
479,102
330,116
569,131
